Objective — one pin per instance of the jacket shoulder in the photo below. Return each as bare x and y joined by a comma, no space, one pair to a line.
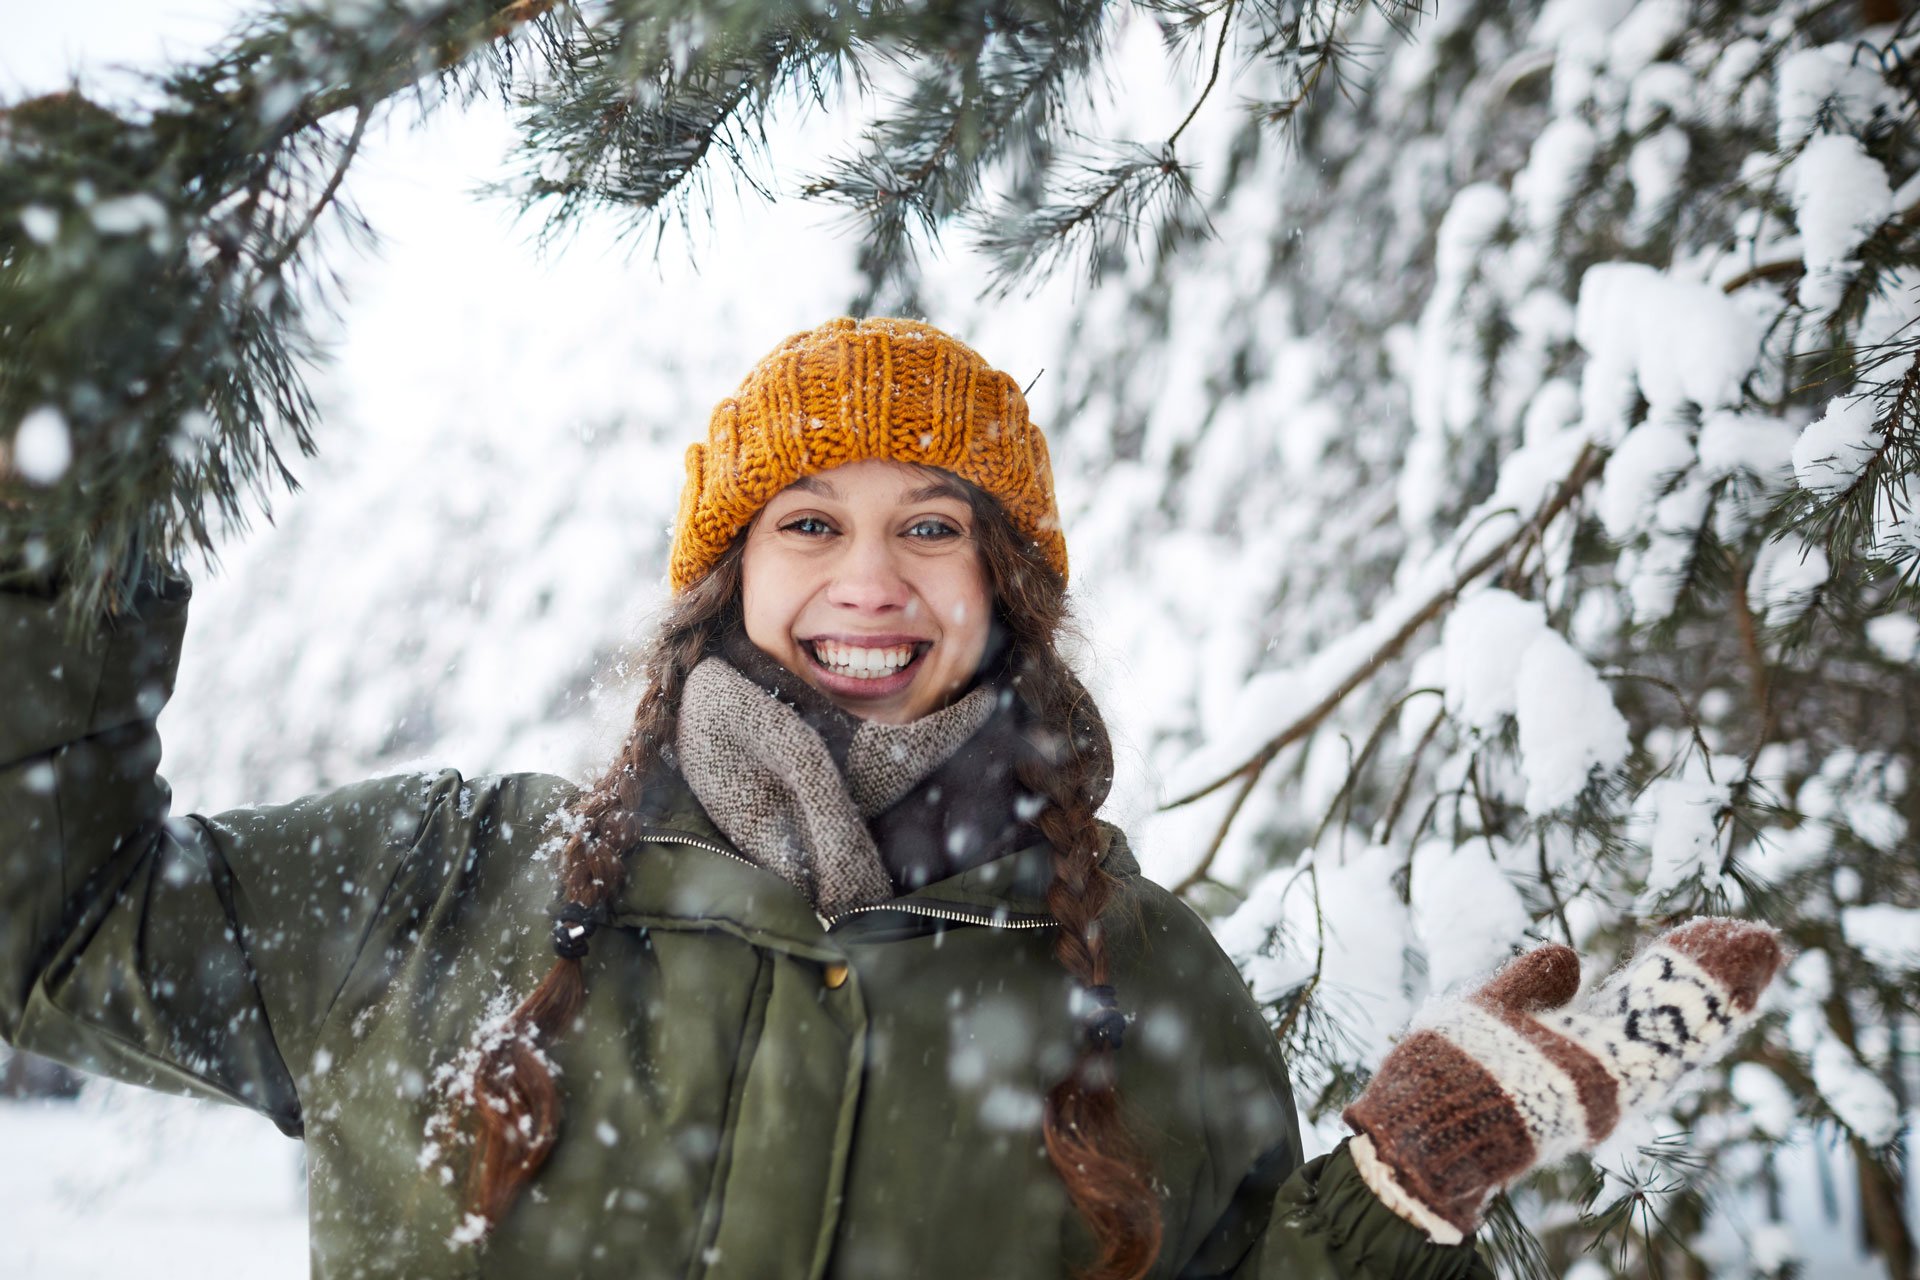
1152,927
400,810
342,884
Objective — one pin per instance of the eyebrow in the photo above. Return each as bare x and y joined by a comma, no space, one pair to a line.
936,489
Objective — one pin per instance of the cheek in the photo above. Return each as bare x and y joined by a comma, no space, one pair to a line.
965,610
765,607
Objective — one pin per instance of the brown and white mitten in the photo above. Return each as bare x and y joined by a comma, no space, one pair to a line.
1517,1075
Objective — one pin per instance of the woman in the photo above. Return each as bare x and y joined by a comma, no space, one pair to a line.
850,981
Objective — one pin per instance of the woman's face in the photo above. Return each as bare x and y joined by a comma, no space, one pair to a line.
866,582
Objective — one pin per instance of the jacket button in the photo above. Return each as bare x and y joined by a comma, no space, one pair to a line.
835,976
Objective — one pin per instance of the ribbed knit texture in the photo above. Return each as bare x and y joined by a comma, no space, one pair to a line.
770,782
1515,1076
853,390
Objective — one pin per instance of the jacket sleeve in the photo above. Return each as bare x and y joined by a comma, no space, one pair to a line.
1324,1224
195,954
1284,1219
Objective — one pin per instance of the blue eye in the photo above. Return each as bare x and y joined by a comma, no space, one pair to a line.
807,526
932,529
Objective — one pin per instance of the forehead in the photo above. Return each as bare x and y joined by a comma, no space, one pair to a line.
878,480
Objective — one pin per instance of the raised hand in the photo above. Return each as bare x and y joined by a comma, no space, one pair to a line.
1518,1075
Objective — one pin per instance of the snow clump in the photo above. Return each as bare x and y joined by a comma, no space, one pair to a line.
129,215
1638,473
1829,81
1684,814
1895,637
1840,196
1359,932
41,224
1836,447
1466,913
1732,443
1556,165
1675,340
1500,658
1855,1094
1481,645
1787,577
1569,726
42,447
1887,935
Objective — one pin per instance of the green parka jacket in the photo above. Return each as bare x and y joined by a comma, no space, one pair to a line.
753,1091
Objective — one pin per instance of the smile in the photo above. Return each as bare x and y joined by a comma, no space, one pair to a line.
877,666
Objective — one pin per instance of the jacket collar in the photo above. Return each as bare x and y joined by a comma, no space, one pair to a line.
686,874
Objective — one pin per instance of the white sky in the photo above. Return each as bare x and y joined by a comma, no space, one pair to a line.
47,44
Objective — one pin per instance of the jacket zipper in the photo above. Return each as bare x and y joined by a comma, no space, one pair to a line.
943,913
697,843
910,908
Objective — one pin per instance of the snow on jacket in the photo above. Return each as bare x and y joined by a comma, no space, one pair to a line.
754,1091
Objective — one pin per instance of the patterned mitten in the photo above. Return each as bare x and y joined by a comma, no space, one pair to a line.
1516,1076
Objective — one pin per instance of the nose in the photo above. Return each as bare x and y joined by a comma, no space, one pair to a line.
867,575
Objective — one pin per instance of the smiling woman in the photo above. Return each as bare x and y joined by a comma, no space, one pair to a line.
867,583
845,978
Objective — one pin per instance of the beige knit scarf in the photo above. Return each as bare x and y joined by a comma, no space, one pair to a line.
769,781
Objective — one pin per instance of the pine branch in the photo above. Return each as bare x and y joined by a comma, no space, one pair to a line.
1846,525
1513,1249
1098,217
155,271
1403,788
1760,685
636,109
1101,208
1213,76
1302,39
991,85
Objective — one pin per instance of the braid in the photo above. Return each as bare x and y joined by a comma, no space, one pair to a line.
1067,761
511,1111
1087,1139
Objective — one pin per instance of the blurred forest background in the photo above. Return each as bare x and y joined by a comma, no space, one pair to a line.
1485,434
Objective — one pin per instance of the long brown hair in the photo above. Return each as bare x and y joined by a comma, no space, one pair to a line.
511,1112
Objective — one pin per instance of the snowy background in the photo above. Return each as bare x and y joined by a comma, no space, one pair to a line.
485,528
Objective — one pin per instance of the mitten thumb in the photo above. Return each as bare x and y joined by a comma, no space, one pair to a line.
1542,979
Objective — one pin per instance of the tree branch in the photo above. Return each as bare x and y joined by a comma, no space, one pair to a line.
348,151
1584,469
1757,678
1202,868
1795,266
1404,787
1219,52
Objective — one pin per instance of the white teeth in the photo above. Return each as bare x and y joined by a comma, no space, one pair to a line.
861,664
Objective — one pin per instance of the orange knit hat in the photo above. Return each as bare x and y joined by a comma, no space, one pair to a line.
852,390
